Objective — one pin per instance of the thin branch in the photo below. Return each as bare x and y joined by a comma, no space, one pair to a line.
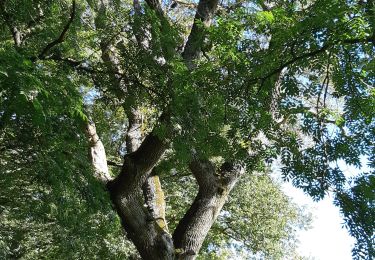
81,66
111,163
370,39
227,232
36,20
324,85
61,38
33,24
16,34
326,89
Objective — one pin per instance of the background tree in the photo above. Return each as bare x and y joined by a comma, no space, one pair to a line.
216,90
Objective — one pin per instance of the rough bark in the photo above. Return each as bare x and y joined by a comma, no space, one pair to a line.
214,185
139,201
137,196
134,134
214,188
136,193
203,18
152,191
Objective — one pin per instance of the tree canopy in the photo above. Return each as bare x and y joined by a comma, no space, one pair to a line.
197,97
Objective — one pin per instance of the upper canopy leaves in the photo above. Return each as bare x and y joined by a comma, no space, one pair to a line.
273,79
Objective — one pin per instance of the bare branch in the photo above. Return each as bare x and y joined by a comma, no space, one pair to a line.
62,35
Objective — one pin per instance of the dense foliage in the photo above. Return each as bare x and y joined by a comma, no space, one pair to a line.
287,80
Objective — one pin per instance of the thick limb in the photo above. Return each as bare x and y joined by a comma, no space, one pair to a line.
214,188
139,200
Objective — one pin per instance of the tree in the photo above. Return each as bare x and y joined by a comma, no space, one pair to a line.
216,90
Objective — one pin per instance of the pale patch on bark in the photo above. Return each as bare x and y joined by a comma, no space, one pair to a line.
155,201
97,155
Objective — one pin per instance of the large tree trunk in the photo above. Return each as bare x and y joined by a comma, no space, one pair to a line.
136,193
139,201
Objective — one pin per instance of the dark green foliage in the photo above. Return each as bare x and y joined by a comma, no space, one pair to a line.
51,207
320,52
50,204
357,206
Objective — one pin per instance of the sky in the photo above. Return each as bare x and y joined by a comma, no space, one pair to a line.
327,239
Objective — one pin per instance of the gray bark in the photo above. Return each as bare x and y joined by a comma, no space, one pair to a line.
137,196
214,188
136,193
139,201
205,11
134,135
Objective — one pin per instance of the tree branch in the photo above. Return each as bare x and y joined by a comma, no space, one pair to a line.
214,188
186,4
156,6
203,17
139,200
221,8
155,201
133,135
137,196
370,39
111,163
16,34
37,19
62,35
97,155
33,23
